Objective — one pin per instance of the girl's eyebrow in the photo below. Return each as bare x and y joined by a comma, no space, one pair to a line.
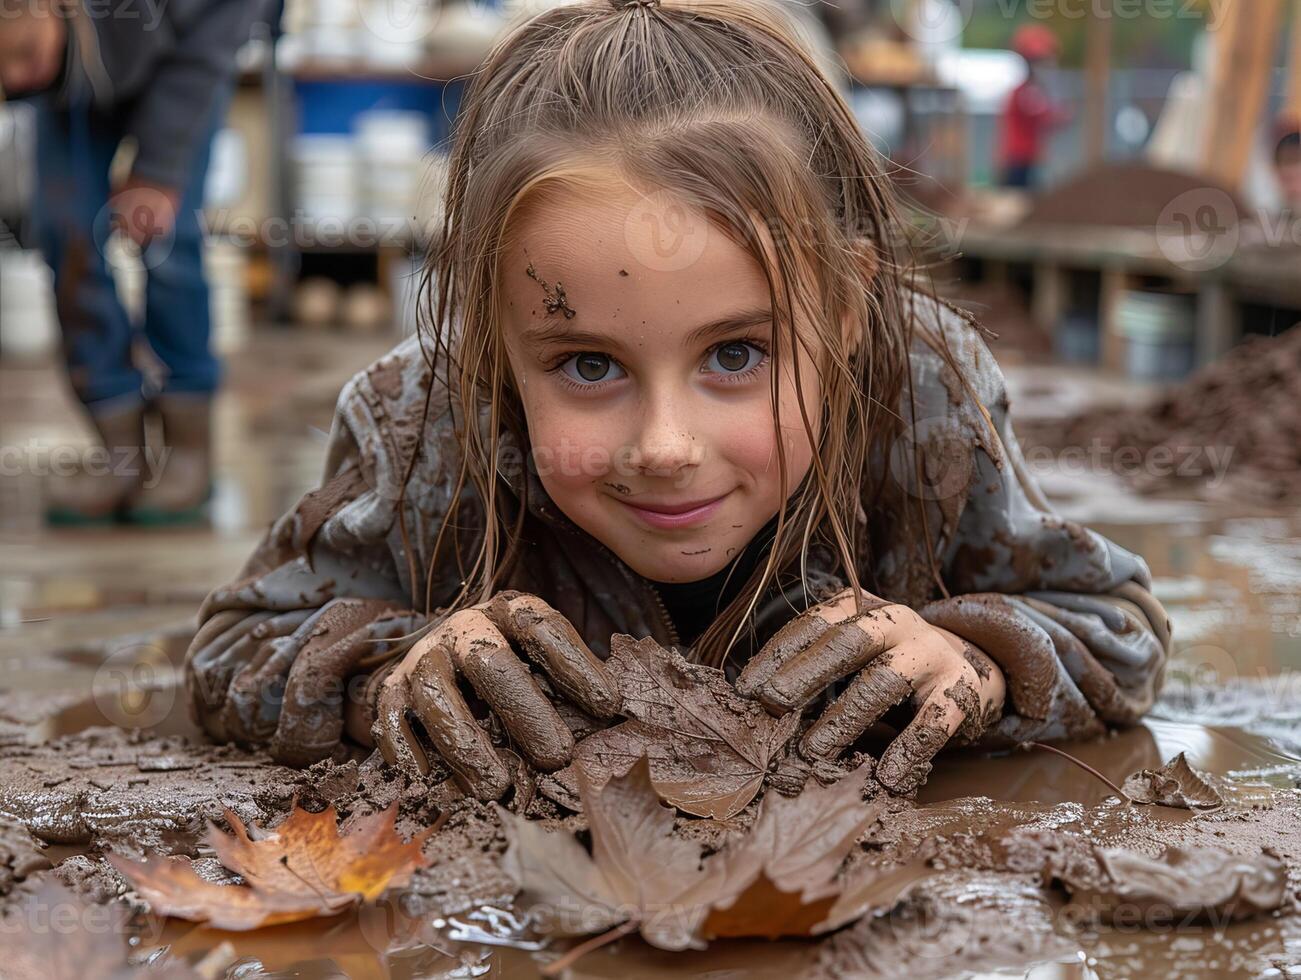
561,332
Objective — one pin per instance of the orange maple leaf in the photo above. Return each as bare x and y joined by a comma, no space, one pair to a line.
300,870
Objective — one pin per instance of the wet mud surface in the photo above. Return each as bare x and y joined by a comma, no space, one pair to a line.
1017,859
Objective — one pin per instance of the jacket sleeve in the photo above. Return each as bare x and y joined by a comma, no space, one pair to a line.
166,62
328,591
1066,613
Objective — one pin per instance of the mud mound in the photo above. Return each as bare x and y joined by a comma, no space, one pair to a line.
1129,195
1231,431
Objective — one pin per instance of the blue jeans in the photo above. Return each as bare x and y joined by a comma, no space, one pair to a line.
74,148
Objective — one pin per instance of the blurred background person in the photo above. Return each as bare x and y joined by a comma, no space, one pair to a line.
1031,114
1287,163
158,74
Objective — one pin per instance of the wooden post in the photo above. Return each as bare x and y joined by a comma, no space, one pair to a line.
1293,101
1048,302
1115,280
1097,73
1245,42
1217,327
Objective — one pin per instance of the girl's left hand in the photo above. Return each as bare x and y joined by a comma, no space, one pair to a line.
899,656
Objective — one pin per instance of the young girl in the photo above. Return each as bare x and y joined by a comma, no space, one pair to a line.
685,388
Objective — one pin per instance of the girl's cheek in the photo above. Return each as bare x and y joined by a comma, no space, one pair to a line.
572,450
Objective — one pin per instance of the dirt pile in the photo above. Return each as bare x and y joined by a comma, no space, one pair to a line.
1131,195
1231,431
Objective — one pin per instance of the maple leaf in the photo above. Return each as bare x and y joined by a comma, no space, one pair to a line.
708,747
637,871
780,879
301,870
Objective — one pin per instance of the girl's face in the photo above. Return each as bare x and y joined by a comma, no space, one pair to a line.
637,334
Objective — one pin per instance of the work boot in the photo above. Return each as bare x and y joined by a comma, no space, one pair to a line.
178,486
97,492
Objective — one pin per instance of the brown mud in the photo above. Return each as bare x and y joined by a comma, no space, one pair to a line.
984,841
1232,585
1245,408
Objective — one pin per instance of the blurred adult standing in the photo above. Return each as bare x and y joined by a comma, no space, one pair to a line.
158,73
1030,115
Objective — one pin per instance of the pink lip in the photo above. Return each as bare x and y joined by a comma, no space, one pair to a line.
665,519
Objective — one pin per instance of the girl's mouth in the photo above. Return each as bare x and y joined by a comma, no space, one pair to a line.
669,515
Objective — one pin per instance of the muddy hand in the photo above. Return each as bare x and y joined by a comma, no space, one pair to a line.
897,657
480,645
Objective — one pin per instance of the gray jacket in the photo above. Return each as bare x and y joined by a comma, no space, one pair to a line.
1073,625
161,63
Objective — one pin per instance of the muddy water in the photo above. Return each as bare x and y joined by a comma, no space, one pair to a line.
92,626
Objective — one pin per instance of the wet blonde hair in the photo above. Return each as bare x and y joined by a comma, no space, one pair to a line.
719,104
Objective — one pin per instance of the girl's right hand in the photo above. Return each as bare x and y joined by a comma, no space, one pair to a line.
480,644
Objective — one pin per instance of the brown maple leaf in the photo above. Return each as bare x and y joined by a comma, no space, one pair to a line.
780,879
708,747
300,870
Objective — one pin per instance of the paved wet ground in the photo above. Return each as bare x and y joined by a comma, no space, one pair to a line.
72,602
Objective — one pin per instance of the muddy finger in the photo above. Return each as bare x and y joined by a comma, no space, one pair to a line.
447,720
869,696
906,764
256,692
392,732
482,654
550,641
1011,639
838,652
797,635
311,718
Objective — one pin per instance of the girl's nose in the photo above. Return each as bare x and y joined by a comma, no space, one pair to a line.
666,446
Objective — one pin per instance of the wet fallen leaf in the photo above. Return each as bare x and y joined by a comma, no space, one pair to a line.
780,879
1200,882
708,747
1175,784
300,870
638,870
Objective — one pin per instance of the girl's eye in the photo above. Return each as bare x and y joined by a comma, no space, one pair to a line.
735,357
589,368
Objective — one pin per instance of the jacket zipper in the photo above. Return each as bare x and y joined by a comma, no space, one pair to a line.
636,580
675,639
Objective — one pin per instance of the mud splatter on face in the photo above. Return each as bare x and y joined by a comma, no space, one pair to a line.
553,296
